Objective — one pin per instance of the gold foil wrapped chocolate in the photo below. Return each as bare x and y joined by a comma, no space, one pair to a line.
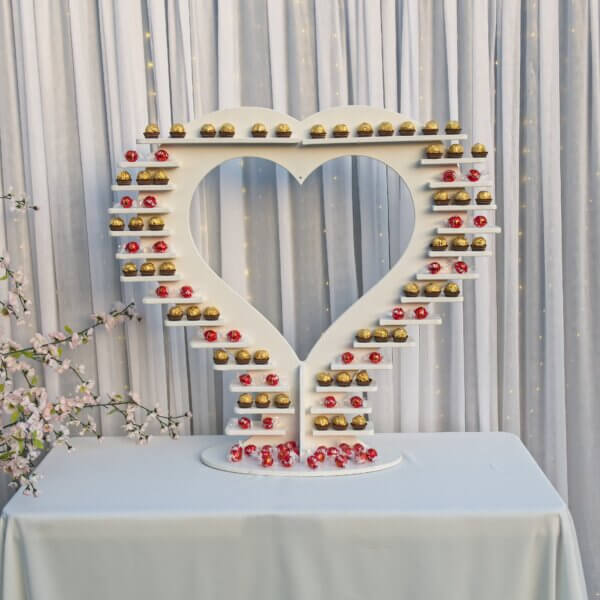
484,197
339,422
167,268
478,150
208,130
321,423
324,379
129,269
363,378
439,243
282,401
358,422
340,130
227,130
193,313
364,130
385,128
242,357
441,197
430,128
317,131
152,131
399,335
455,151
175,313
411,289
261,357
259,130
212,313
245,401
453,127
343,378
363,335
156,223
283,130
262,400
451,290
177,130
407,128
145,177
381,334
116,224
434,151
432,289
147,269
460,243
136,224
160,177
220,357
461,198
478,244
123,178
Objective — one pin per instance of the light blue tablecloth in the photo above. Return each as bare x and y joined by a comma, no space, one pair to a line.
463,517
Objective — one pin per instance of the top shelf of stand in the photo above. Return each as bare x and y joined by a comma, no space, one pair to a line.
328,141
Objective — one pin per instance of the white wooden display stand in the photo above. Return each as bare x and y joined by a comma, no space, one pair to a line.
191,159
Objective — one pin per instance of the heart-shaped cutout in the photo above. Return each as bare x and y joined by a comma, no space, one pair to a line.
302,253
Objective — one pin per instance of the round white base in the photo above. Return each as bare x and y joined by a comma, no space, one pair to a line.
389,455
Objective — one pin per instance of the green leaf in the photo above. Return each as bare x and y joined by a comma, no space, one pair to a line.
38,444
34,380
1,387
68,330
7,455
4,277
28,353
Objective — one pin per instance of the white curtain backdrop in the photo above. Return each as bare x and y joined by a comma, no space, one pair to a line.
80,80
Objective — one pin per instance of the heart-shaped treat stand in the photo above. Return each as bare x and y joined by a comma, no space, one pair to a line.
292,438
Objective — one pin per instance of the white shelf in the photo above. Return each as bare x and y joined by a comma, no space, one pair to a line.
143,188
368,430
461,183
403,322
143,233
249,367
457,253
452,161
383,139
145,255
271,410
198,323
458,207
340,366
407,344
220,140
325,389
172,300
219,344
463,230
115,210
239,388
430,300
152,164
446,276
341,410
142,278
257,429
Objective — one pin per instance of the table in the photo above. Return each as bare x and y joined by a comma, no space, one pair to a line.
465,516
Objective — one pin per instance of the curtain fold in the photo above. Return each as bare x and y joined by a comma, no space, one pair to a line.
82,78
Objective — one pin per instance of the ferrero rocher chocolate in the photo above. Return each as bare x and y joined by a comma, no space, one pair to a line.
245,401
116,224
282,401
484,197
259,130
151,131
136,224
341,130
321,423
451,290
411,289
441,198
358,422
478,244
177,130
220,357
227,130
363,335
364,130
242,357
175,313
193,313
399,335
160,177
261,357
432,289
211,313
455,151
147,269
362,378
461,198
343,378
453,127
385,128
262,401
439,243
208,130
123,178
129,269
156,223
324,379
460,243
317,131
167,268
430,128
478,150
381,334
145,177
434,151
407,128
283,130
339,422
